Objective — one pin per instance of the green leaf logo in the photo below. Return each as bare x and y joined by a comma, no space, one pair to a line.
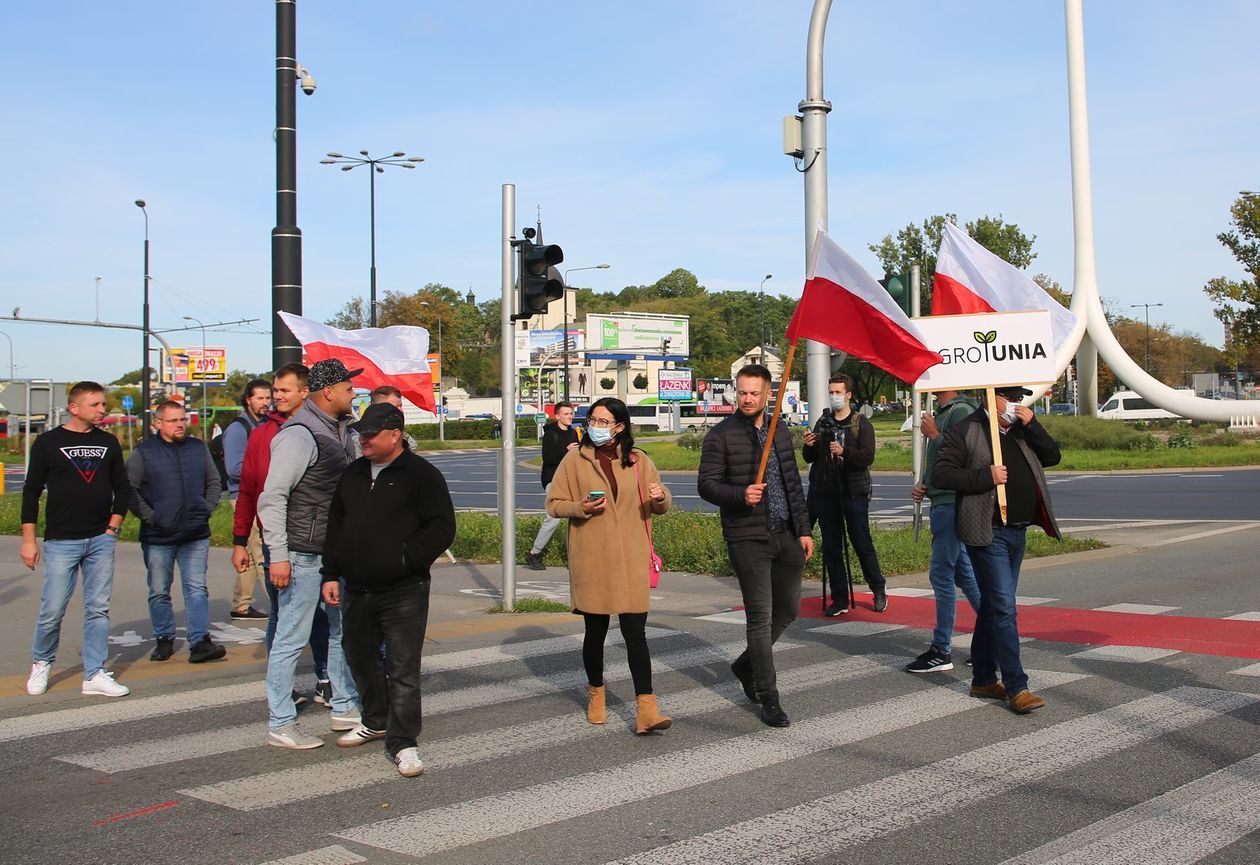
979,337
991,336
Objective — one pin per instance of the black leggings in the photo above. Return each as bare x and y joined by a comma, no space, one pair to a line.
632,632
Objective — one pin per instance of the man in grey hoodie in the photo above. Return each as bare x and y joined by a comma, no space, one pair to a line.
308,456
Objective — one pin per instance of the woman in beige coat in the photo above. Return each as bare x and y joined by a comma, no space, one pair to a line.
609,491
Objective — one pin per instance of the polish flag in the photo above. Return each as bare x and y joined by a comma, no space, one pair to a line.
844,307
388,355
970,279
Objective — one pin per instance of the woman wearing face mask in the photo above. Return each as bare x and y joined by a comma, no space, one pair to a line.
840,451
609,554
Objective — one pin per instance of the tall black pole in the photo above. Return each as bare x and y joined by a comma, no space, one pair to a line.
286,237
372,197
565,307
145,394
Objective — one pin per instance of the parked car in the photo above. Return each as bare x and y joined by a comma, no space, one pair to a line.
1066,409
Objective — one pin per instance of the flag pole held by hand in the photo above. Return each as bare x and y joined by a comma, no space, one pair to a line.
991,401
774,418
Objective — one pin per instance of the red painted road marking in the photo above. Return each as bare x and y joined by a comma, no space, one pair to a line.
118,817
1198,635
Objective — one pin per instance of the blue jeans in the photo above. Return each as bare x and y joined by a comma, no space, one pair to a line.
160,560
995,645
62,562
319,627
297,604
951,566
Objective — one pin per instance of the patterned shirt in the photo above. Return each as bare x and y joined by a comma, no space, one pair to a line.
776,492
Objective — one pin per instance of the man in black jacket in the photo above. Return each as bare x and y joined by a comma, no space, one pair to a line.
559,437
390,519
840,451
766,527
965,464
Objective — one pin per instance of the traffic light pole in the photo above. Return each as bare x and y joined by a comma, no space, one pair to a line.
507,366
814,109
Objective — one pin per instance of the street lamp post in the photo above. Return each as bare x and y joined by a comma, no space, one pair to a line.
565,307
441,413
201,421
145,396
11,366
1147,307
761,293
375,166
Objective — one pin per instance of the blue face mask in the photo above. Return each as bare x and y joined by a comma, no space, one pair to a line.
600,435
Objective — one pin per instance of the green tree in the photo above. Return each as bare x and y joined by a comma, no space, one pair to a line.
916,244
1236,302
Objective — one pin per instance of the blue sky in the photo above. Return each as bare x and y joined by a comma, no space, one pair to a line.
649,133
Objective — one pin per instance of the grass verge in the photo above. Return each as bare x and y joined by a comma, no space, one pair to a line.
533,605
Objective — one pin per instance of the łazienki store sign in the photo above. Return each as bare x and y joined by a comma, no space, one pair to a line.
993,349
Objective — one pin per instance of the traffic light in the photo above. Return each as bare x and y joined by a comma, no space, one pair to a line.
898,285
540,282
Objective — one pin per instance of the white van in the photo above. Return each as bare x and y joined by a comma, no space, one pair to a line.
1128,405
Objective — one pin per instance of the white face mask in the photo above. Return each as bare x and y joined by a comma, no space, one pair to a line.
1009,413
600,435
838,401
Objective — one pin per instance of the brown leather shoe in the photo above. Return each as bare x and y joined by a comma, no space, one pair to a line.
595,711
996,691
1024,702
648,716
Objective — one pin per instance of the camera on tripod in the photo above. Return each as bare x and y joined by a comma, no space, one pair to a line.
827,430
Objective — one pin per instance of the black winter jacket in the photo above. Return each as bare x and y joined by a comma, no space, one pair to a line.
728,464
555,445
384,533
853,475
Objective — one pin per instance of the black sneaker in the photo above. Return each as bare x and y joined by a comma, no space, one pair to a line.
931,661
299,699
837,608
205,650
968,662
323,692
535,561
164,649
881,602
249,614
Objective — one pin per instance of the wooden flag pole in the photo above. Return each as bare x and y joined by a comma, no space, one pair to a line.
774,418
995,436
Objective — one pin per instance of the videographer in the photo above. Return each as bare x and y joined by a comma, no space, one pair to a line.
840,451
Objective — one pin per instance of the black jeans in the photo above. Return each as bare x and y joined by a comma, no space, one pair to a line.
769,574
396,617
633,633
836,514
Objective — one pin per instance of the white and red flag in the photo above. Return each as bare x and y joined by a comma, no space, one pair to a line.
388,355
971,279
844,307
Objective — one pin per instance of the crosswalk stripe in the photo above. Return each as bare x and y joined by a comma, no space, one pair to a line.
139,755
1185,825
334,855
321,779
496,816
879,808
135,709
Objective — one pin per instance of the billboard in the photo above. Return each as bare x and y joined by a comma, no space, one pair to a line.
715,395
674,385
639,333
535,346
195,366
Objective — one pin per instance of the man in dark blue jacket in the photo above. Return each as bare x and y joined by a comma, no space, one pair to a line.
390,519
174,489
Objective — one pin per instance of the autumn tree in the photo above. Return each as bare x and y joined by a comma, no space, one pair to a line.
1237,301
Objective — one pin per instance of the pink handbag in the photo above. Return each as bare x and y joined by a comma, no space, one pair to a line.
655,564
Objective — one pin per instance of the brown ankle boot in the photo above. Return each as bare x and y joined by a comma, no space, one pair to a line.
595,711
649,717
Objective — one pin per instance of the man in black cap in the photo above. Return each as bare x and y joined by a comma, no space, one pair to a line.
308,456
965,464
388,500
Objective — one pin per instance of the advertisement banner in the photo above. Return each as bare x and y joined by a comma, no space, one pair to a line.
196,366
581,385
991,349
674,385
715,395
535,346
646,334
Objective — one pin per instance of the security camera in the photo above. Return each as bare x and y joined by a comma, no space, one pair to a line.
308,84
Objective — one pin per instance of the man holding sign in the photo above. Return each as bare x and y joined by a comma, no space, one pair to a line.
966,465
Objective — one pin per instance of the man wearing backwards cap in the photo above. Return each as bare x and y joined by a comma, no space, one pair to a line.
391,518
965,464
308,456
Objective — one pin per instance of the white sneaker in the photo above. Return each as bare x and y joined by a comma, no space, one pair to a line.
409,763
360,735
289,736
348,721
103,684
38,682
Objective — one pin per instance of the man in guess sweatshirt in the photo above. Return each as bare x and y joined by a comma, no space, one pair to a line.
82,469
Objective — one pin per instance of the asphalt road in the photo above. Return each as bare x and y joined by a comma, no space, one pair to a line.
1209,494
